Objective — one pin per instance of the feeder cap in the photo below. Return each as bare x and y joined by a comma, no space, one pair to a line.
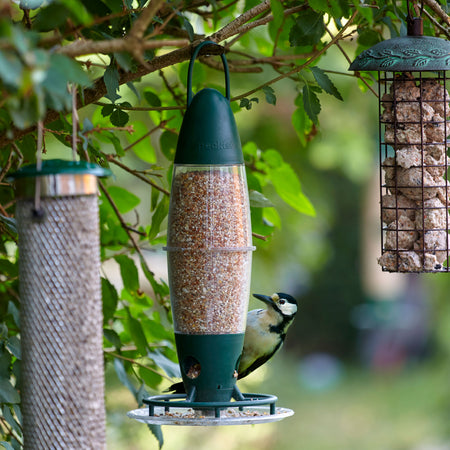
61,167
405,54
209,133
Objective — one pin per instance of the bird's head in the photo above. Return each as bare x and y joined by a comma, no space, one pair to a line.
284,304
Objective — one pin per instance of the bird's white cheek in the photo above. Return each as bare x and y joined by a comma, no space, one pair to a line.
288,309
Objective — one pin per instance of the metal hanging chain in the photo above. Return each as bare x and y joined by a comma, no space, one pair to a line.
74,122
37,191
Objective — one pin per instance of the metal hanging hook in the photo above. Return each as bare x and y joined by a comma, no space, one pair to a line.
414,22
418,13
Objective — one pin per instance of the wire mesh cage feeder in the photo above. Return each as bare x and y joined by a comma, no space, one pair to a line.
209,252
413,123
61,311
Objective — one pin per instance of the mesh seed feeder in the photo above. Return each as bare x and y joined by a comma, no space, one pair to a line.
62,385
413,123
209,249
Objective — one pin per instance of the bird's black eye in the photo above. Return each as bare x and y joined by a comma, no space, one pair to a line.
282,301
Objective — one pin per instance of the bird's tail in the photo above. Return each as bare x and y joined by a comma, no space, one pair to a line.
176,388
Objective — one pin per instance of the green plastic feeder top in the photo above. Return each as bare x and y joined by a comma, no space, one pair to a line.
208,133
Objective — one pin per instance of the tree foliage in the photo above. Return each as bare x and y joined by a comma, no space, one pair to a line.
125,63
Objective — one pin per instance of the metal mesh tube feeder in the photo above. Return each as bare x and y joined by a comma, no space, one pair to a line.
413,146
62,384
209,249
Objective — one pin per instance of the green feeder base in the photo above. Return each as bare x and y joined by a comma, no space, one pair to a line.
209,365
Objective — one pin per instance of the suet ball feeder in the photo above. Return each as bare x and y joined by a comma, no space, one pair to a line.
413,130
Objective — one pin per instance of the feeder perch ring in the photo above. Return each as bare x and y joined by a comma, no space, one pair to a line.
171,409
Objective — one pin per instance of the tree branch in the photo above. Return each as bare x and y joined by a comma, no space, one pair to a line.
98,89
306,64
434,5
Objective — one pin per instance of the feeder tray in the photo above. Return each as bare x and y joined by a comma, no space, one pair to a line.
173,410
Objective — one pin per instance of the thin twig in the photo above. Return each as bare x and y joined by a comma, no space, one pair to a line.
111,159
300,68
137,363
356,73
119,216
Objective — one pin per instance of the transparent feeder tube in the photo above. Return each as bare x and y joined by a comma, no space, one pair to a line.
209,249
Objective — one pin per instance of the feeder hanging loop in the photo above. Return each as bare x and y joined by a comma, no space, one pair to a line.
191,70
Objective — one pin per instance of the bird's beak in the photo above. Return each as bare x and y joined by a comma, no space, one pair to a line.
264,298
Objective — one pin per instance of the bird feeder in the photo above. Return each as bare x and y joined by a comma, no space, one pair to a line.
61,310
413,129
209,252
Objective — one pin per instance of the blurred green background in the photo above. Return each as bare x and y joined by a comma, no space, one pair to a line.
366,364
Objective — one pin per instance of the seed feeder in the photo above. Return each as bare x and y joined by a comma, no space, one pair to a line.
61,309
209,251
413,111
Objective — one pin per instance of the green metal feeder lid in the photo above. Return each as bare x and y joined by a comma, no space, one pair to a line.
208,133
61,167
405,54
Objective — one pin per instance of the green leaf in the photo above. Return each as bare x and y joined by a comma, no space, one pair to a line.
128,272
111,79
270,95
69,70
124,60
14,312
8,446
110,299
119,118
10,69
8,393
286,183
277,13
123,377
51,17
123,199
368,37
198,75
257,200
188,27
11,420
308,28
112,337
157,432
325,83
311,103
5,362
152,98
107,110
13,345
302,124
158,216
170,368
137,334
10,223
168,142
143,148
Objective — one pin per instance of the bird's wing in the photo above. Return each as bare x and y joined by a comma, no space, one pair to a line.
244,371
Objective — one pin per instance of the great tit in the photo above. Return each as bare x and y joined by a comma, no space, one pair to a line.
265,333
